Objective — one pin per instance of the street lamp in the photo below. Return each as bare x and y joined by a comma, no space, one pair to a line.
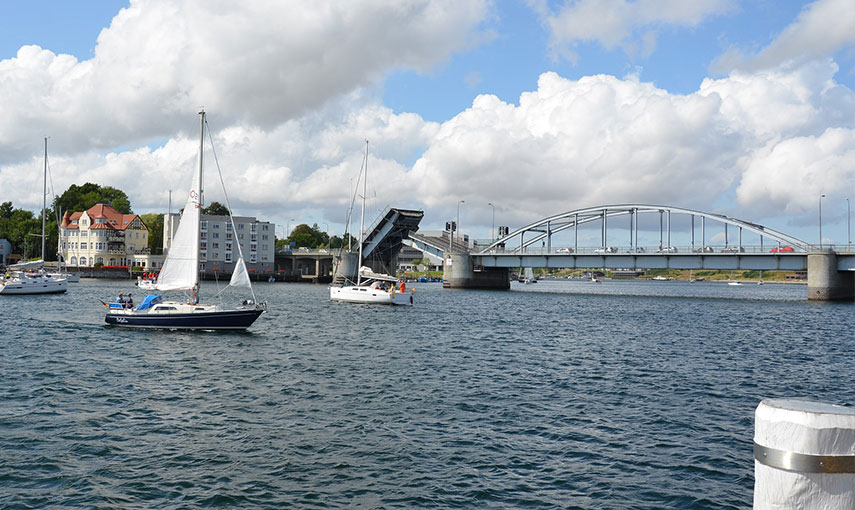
848,227
493,223
458,216
820,221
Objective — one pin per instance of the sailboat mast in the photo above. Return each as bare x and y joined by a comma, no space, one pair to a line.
362,218
199,180
44,194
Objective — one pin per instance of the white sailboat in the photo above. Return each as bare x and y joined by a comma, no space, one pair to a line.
31,277
370,287
180,272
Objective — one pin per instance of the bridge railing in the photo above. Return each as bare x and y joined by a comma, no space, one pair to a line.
645,250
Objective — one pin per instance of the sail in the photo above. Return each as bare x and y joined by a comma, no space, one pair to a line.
240,276
181,268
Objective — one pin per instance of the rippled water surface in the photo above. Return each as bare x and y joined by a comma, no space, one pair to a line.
556,395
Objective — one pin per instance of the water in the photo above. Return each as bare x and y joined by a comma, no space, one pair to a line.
555,395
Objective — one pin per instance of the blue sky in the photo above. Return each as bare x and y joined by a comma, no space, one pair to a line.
739,107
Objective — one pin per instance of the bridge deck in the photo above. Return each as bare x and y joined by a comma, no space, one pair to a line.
721,261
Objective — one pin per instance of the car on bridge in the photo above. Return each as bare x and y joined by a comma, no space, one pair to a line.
606,249
782,249
564,250
733,249
705,249
667,249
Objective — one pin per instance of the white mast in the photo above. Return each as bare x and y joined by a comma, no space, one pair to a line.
362,219
201,202
44,194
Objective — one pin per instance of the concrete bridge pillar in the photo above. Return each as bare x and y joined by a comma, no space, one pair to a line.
460,273
825,282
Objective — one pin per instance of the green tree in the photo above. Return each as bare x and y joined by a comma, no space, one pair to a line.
216,209
80,198
154,224
303,235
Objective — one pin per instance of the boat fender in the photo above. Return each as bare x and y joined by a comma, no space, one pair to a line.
411,299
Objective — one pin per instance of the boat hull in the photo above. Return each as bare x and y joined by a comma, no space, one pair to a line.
213,320
369,296
33,286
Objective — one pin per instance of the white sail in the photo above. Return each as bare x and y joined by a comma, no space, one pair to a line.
240,276
181,268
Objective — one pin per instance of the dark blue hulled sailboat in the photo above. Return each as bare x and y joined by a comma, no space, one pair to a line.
180,272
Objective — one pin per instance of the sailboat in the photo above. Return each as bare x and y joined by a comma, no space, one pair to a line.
370,287
30,277
529,276
180,272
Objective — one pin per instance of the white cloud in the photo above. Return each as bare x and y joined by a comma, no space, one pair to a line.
621,23
822,28
255,62
791,175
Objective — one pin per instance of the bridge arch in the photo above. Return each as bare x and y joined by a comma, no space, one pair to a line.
543,229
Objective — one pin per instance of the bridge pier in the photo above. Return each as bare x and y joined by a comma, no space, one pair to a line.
460,273
825,282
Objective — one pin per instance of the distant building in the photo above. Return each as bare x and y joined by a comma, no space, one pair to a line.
101,234
218,243
5,251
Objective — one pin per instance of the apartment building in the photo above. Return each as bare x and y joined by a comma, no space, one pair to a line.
218,243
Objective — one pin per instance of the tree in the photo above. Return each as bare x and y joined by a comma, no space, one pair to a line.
216,209
154,224
80,198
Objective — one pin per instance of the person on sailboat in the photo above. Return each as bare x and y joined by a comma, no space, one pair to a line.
120,300
129,303
403,285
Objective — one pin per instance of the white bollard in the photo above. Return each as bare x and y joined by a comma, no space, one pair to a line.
804,456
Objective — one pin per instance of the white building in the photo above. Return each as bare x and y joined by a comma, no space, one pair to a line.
218,245
103,235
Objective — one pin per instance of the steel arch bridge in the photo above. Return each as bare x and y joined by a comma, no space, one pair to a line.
542,230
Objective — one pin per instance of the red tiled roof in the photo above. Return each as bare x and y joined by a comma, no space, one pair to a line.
115,219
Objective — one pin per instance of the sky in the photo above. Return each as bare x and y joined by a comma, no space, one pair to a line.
736,107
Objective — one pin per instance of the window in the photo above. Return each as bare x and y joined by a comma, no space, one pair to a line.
215,245
84,222
264,237
263,247
216,235
204,225
240,226
101,220
228,235
216,225
228,246
228,227
73,261
74,222
203,246
253,247
82,246
84,233
240,236
252,257
99,260
204,235
228,256
264,227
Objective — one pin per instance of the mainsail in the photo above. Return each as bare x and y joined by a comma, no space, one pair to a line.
181,268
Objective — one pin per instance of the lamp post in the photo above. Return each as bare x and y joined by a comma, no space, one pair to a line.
493,224
848,227
458,214
820,221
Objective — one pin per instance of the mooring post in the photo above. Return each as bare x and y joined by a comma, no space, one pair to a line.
804,455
